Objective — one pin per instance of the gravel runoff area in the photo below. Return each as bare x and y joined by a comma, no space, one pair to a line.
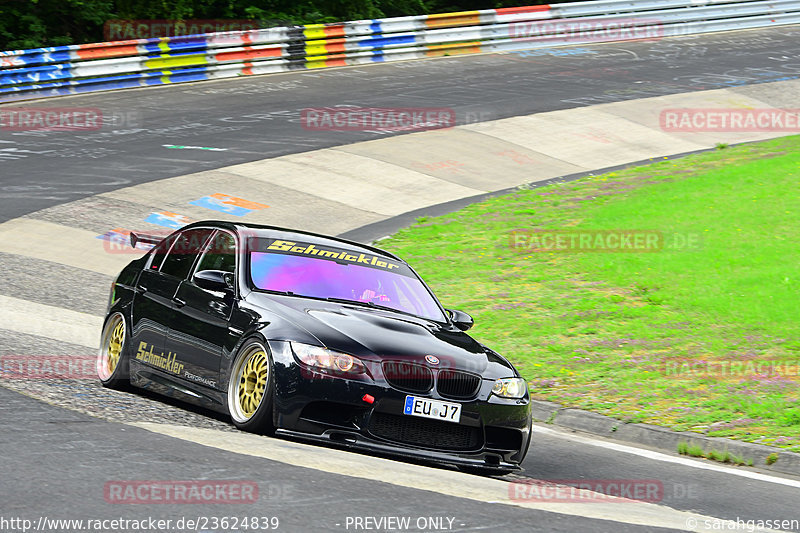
133,405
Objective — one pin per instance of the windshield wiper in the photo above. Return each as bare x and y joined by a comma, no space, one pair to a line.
354,302
372,305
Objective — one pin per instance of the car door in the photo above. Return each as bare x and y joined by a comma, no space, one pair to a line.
199,329
155,303
151,304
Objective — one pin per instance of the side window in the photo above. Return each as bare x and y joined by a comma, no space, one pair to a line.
160,252
220,253
181,256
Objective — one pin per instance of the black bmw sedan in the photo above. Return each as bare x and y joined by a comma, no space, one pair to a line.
299,334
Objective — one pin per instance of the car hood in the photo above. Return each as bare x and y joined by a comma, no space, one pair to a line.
376,334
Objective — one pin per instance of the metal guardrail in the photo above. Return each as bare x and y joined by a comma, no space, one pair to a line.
75,69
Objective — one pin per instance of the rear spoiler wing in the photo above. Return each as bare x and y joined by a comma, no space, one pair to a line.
147,239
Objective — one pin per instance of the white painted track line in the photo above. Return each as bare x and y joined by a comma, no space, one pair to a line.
51,322
658,456
441,481
62,244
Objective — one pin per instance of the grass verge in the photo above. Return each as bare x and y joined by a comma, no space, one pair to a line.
693,450
699,335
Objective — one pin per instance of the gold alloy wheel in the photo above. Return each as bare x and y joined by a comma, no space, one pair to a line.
111,350
252,376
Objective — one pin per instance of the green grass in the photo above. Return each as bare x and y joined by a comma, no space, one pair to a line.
771,459
694,450
606,331
691,450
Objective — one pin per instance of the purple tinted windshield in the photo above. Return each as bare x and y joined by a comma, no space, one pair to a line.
323,278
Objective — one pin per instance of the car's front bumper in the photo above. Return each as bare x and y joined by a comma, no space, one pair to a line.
493,432
360,442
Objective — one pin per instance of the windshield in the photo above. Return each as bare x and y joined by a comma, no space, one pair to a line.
327,272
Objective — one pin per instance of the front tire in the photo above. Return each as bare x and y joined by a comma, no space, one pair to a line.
251,389
112,359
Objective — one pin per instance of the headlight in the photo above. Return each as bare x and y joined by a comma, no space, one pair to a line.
322,358
509,388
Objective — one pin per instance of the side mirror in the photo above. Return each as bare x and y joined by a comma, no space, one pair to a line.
461,319
214,280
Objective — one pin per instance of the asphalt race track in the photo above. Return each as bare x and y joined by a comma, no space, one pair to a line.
259,117
58,459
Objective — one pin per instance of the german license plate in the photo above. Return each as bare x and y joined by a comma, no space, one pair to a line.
427,408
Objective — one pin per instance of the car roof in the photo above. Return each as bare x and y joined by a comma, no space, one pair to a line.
276,232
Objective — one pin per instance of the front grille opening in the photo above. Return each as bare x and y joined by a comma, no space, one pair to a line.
425,433
457,385
408,376
333,414
498,438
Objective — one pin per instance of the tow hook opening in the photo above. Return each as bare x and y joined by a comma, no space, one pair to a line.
492,460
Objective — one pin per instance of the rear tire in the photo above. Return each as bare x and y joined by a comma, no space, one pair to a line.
112,360
251,389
